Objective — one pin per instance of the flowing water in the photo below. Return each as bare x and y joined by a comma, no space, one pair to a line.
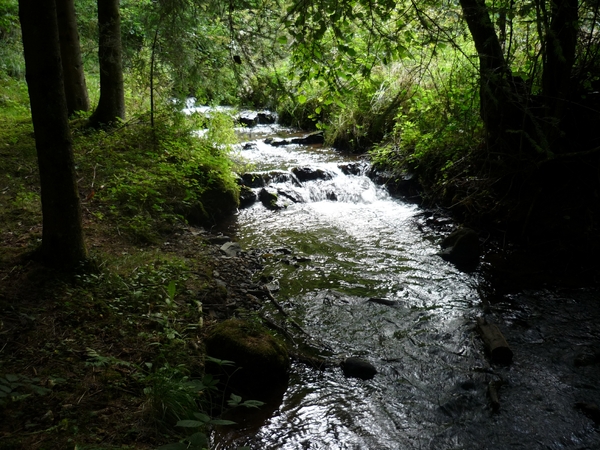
341,241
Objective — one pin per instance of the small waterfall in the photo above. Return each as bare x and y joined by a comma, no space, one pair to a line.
347,241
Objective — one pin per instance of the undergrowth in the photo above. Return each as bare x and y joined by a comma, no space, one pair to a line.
112,356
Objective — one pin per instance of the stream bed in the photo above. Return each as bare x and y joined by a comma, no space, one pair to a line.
341,240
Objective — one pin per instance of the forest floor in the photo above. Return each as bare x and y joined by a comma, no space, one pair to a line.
103,358
111,355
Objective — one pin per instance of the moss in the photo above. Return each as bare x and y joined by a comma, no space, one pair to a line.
261,361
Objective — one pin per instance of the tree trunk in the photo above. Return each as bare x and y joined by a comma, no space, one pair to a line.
111,105
70,51
561,42
502,105
494,90
62,235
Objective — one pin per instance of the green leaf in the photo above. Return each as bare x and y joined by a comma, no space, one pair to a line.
252,403
171,288
189,423
40,390
198,440
11,377
220,362
202,417
302,99
222,422
283,40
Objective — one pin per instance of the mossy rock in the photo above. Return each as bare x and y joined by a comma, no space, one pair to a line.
261,361
461,247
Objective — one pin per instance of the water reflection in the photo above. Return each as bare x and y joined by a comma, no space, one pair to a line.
431,389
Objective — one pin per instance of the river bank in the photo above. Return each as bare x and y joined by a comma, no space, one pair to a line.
104,358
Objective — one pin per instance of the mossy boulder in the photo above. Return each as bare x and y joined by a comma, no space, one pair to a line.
462,247
261,361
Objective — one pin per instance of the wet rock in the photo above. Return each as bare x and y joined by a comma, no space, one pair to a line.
270,199
279,176
219,239
247,197
309,174
461,247
266,117
253,118
352,168
277,142
252,180
248,118
310,139
291,195
231,249
358,368
331,196
261,361
405,184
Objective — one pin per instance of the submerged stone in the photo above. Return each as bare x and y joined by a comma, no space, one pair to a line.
358,368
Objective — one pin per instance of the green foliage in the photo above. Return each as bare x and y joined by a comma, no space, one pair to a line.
147,179
435,127
11,48
16,387
173,396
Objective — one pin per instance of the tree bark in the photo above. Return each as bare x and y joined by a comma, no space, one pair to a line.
561,42
70,51
494,72
111,105
62,235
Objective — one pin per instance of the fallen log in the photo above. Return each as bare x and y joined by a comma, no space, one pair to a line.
494,341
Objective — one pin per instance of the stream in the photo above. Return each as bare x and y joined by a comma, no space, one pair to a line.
341,240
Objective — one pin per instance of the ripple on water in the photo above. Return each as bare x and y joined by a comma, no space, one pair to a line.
429,391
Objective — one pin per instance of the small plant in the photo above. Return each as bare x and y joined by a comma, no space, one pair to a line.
176,397
97,360
15,387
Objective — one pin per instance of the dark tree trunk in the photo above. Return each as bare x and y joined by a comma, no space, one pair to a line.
493,70
111,105
70,51
561,42
62,236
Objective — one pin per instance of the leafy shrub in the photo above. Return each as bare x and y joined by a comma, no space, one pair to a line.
436,128
150,179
